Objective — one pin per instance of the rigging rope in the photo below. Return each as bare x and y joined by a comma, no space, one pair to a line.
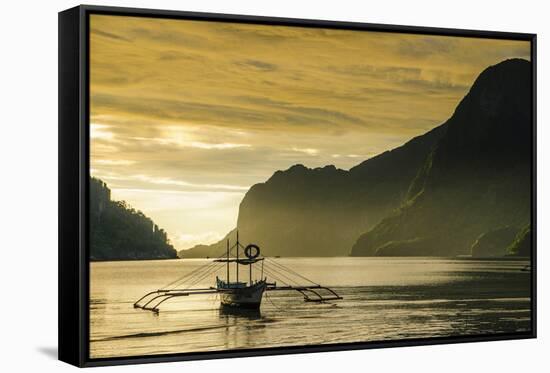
270,272
207,273
273,304
274,270
290,270
188,276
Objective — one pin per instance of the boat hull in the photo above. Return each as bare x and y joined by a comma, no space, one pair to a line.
249,297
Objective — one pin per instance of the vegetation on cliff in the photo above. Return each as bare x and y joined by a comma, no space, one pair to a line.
494,243
119,232
521,246
477,177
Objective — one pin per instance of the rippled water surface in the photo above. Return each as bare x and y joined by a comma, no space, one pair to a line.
384,299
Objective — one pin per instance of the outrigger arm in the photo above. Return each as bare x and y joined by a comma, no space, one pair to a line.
152,300
310,293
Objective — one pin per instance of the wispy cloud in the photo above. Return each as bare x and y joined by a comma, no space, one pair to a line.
308,151
113,162
100,131
352,156
167,181
203,145
189,144
188,240
257,65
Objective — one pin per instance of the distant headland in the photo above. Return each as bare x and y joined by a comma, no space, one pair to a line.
119,232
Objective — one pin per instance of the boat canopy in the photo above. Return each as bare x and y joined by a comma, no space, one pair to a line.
240,261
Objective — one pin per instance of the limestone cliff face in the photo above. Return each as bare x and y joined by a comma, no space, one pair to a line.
478,176
322,211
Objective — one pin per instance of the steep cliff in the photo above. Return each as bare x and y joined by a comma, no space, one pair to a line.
476,178
322,211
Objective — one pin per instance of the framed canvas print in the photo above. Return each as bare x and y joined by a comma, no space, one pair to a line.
232,186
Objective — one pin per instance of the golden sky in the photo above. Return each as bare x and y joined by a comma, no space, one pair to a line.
187,115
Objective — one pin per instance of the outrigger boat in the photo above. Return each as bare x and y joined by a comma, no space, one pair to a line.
239,294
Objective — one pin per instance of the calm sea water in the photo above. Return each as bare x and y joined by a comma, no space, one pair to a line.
384,299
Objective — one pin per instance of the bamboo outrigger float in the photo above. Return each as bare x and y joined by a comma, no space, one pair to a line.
239,294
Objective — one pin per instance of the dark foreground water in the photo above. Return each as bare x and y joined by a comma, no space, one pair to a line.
384,299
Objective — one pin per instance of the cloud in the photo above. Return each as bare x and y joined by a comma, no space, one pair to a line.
299,114
190,144
188,240
100,131
352,156
203,145
426,46
109,35
308,151
147,182
169,181
257,65
113,162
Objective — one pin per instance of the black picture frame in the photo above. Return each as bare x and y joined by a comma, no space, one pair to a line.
74,189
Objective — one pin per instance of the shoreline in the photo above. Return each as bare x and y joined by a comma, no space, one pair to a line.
465,258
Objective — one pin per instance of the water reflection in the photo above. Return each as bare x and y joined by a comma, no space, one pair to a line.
241,326
230,313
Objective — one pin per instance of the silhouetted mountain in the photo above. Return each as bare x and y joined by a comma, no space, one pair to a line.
322,211
521,246
494,243
476,179
209,251
118,232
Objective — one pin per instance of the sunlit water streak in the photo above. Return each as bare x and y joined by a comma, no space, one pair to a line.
384,299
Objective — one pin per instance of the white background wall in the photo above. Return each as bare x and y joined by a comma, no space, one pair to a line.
28,171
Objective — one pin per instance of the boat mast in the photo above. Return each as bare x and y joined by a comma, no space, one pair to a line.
237,262
228,260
